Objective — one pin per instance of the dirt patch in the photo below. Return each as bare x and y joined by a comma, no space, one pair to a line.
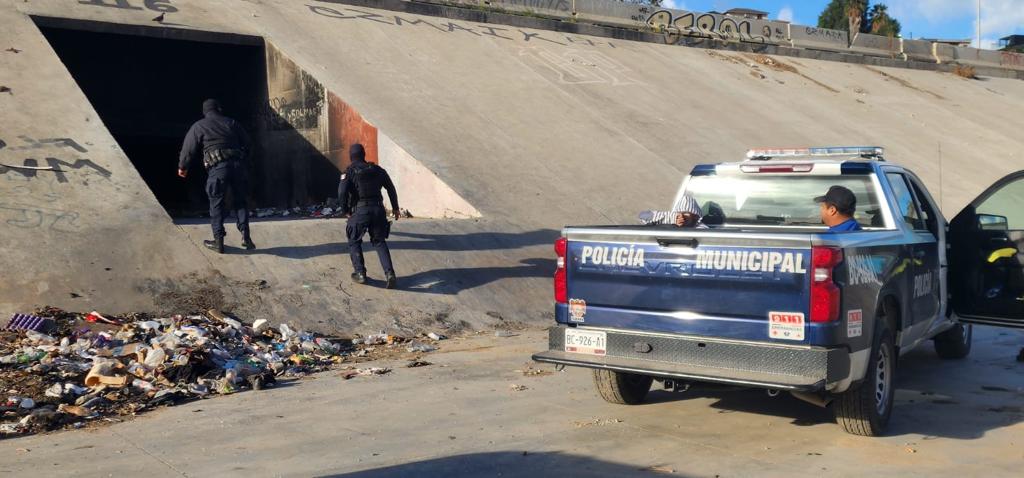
904,83
777,65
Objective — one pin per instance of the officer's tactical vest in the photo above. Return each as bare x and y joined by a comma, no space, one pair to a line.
366,180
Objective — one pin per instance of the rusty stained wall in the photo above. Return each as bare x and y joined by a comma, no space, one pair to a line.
345,128
294,169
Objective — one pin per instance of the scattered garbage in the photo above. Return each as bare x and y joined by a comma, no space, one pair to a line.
322,210
516,387
91,368
365,372
505,333
417,363
420,347
435,336
29,322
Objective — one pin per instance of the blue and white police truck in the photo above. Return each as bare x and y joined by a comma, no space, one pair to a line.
766,297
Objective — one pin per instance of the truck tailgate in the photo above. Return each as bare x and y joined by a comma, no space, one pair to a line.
726,284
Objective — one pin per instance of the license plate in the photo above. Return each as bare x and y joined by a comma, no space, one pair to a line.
586,341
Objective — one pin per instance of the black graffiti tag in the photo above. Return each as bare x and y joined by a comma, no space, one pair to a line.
55,166
162,6
34,217
447,27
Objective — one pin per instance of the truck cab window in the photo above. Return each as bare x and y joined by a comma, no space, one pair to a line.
928,210
906,209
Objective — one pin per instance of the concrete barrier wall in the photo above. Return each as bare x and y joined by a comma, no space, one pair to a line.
918,50
875,45
814,38
943,53
1011,60
729,28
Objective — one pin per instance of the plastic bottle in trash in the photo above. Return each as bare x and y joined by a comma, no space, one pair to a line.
286,332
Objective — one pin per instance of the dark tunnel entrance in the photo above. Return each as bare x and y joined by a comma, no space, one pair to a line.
149,90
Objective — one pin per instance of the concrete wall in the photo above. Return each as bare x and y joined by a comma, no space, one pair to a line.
819,38
675,23
875,45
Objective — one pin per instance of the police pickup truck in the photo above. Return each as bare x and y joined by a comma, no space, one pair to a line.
765,296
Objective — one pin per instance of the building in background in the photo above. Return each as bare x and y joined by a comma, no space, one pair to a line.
1012,43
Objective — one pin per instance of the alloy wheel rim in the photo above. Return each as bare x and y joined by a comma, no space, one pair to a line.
883,378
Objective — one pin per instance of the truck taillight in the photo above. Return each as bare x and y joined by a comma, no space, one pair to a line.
824,292
561,286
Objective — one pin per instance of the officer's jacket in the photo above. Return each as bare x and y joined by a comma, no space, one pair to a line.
215,131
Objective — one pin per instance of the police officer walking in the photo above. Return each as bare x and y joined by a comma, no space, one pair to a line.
224,146
359,195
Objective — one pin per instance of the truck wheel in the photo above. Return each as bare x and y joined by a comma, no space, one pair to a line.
622,388
865,410
954,343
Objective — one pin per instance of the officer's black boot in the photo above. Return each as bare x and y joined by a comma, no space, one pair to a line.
359,277
247,242
216,245
392,280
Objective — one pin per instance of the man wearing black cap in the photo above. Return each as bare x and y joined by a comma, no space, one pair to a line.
224,146
359,195
837,207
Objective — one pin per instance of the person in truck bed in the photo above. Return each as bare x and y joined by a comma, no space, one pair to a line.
837,208
686,213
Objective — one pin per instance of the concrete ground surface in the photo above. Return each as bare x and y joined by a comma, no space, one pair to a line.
462,417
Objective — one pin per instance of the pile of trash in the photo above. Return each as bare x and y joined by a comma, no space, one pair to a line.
324,210
66,370
327,209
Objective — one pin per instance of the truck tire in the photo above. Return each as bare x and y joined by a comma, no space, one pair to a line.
622,388
954,343
865,410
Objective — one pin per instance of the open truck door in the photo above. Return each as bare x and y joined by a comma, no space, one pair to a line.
986,256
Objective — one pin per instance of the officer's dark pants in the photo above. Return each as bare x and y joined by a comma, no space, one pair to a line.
372,219
221,178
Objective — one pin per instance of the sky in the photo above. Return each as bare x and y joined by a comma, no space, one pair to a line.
947,19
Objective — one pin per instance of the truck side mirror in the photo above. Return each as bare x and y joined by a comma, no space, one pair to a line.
991,222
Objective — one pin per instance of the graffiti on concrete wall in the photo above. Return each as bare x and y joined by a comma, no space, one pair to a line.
578,67
836,36
296,98
162,6
715,26
30,166
480,31
32,182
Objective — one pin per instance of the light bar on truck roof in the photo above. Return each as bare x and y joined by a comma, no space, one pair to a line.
874,152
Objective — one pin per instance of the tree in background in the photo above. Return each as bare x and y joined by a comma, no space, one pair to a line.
855,16
880,23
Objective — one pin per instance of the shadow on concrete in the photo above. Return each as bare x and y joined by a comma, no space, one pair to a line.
935,398
511,464
483,241
455,280
476,241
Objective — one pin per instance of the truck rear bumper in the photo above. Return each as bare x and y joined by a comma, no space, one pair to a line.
783,367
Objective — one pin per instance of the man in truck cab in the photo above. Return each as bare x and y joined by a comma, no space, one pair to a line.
837,208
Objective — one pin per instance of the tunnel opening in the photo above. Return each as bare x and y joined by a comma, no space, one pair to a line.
148,87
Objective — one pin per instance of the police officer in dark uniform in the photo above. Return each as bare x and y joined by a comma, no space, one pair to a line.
224,147
359,195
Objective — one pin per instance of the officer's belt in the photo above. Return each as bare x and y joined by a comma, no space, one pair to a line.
214,157
370,202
